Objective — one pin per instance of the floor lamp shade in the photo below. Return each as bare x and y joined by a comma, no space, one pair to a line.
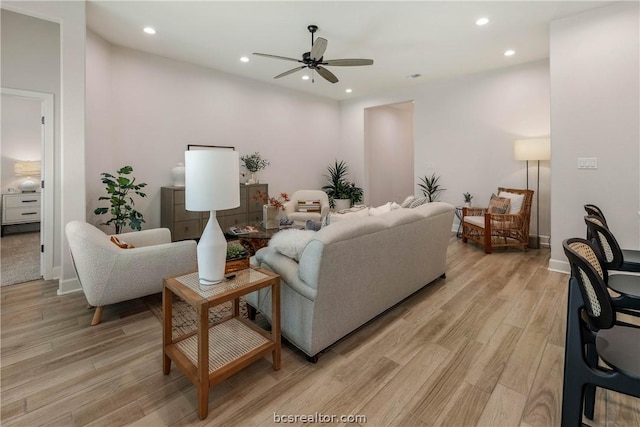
533,149
211,184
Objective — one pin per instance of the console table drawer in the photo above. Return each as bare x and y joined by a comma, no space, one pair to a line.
186,229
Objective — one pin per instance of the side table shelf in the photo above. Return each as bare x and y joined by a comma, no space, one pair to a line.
213,353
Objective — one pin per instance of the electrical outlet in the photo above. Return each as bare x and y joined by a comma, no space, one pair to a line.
587,163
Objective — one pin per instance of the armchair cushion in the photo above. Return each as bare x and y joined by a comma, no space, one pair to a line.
516,201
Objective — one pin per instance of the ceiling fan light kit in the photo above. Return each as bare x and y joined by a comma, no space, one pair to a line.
314,59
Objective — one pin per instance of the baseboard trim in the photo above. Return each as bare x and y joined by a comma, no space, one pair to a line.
559,266
69,286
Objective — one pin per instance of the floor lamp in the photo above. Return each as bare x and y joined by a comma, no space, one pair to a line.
534,149
211,184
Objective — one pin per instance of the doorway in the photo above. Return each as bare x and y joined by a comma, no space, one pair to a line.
388,145
27,135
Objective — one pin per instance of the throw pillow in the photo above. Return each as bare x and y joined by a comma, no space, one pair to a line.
418,201
291,243
312,225
119,243
499,205
516,201
395,206
308,205
380,209
407,201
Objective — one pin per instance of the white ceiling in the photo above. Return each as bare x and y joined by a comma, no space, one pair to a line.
436,39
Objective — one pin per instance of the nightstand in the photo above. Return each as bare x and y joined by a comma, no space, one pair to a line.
20,208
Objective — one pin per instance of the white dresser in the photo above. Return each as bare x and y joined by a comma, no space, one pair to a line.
20,208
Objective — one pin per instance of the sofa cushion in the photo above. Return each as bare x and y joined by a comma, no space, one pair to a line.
338,217
407,201
418,201
291,243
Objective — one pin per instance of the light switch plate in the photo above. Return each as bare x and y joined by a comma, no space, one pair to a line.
587,163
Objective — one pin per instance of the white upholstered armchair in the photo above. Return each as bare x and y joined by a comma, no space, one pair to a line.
300,218
110,274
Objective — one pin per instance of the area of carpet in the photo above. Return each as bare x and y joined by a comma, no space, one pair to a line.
184,316
19,258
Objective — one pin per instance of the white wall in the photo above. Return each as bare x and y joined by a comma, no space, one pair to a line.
69,169
595,105
21,136
388,151
31,61
144,109
464,131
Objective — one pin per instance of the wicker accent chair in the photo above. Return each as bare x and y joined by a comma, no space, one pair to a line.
498,230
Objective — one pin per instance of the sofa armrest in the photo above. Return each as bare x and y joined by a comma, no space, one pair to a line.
287,268
151,237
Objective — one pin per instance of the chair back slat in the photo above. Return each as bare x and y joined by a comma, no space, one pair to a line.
587,269
606,243
594,210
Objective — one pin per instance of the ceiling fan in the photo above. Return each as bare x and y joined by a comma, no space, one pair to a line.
314,59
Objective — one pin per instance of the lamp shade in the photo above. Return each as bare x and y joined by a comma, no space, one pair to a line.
27,168
211,179
533,149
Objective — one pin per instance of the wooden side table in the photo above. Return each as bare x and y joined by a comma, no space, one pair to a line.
209,355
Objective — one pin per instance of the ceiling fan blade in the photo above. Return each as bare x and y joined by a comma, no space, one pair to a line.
319,46
293,70
348,62
328,75
266,55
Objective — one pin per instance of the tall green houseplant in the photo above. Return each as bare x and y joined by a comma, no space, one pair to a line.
121,201
338,187
430,187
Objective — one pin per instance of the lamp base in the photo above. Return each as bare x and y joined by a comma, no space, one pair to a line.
212,253
534,242
28,186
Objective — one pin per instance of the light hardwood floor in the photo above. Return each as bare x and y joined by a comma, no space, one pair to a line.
482,347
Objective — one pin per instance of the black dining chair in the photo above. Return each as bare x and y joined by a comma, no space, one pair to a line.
594,210
594,333
613,256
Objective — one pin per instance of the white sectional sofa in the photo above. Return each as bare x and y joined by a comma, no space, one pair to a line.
351,271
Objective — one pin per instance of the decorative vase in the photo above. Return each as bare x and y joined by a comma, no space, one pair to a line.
340,204
270,217
177,174
467,204
253,178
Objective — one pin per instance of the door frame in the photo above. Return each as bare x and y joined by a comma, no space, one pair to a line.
47,226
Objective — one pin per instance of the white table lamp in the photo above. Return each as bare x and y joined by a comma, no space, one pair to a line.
211,184
28,168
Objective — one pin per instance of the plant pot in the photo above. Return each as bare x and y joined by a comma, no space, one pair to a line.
340,204
253,178
270,217
236,264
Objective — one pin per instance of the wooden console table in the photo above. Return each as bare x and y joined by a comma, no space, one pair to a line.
211,354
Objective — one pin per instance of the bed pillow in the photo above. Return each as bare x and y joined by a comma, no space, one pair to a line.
291,243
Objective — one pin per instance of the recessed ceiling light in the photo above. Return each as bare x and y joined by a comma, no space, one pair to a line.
509,52
149,30
305,77
348,91
482,21
244,59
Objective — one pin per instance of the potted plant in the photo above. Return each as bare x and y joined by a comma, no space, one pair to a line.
430,187
341,192
467,199
254,164
121,202
237,258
